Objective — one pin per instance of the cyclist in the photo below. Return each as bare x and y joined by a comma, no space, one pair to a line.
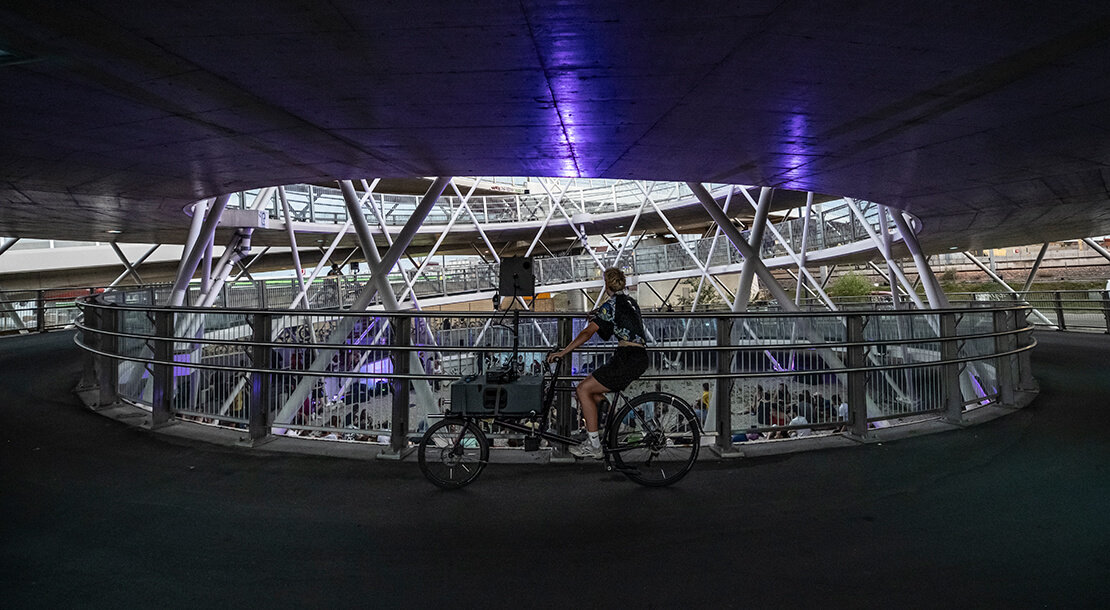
619,315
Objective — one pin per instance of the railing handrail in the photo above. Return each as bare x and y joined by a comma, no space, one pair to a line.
912,368
528,314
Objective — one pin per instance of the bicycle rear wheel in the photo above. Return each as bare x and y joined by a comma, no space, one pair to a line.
654,439
453,452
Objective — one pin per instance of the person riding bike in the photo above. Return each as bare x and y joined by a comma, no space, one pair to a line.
619,315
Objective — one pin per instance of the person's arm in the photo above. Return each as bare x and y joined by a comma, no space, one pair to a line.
582,337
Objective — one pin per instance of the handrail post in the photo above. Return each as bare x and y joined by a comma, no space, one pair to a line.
564,410
107,379
723,384
949,351
91,337
1025,362
1004,365
1106,308
857,380
399,420
40,311
1059,311
161,412
259,413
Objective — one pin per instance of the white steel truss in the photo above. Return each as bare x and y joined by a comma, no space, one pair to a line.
994,276
573,214
132,269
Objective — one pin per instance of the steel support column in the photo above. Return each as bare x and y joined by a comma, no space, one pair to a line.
936,296
895,290
199,210
1033,270
805,245
744,289
294,253
366,297
994,276
751,257
761,271
399,420
132,269
887,254
1096,247
189,264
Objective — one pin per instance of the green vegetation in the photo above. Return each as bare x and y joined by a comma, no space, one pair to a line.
708,299
850,285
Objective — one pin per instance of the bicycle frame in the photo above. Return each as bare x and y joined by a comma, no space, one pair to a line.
637,465
515,424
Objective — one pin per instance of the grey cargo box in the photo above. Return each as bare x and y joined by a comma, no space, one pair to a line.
476,396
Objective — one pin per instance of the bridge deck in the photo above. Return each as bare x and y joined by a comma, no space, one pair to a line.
1011,512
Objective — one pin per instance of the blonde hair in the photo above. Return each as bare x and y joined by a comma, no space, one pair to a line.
614,279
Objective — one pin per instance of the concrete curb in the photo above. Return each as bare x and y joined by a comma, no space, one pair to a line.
133,415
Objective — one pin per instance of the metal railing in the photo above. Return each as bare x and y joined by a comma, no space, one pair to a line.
1087,310
833,222
381,377
25,311
324,205
551,271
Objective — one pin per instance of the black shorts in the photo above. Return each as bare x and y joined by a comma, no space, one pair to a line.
626,366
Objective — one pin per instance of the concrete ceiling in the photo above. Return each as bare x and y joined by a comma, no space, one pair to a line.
988,120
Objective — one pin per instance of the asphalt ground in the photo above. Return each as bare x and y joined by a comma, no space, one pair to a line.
1012,513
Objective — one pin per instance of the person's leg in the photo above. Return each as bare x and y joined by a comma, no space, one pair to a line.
589,392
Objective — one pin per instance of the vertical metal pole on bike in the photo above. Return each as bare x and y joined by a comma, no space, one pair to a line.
399,422
723,384
564,409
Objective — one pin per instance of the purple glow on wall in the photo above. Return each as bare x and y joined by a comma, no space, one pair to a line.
979,389
182,371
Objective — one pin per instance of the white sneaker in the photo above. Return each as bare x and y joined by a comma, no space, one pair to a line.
586,449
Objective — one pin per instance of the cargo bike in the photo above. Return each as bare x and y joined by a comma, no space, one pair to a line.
652,438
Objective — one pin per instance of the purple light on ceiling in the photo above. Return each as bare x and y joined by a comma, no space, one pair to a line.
794,148
567,52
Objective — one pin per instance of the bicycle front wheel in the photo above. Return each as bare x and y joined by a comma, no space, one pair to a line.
453,453
654,439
